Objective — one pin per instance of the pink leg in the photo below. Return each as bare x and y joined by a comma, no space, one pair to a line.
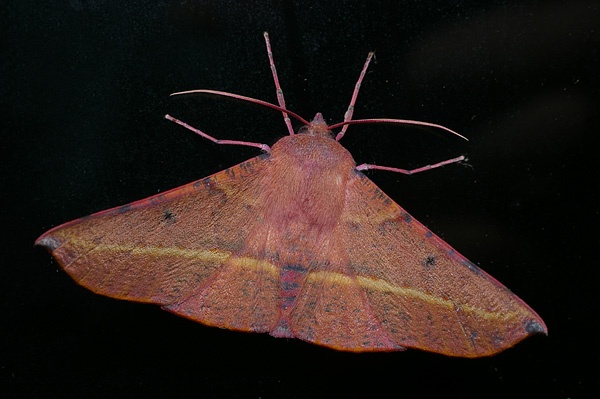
365,166
280,98
263,147
350,111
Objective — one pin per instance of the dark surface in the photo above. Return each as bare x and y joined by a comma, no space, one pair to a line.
85,86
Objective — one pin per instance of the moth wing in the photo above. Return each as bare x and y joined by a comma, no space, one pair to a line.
179,249
385,282
421,291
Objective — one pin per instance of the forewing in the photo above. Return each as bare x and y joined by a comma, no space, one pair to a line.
174,246
421,291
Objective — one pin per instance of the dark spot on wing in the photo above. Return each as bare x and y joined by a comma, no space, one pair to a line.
123,209
428,234
429,262
407,218
290,285
473,337
230,172
295,268
207,183
472,267
378,195
359,174
168,216
248,166
158,199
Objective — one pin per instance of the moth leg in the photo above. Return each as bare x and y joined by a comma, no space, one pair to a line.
350,111
280,98
263,147
366,166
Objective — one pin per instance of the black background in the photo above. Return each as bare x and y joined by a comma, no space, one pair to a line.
85,85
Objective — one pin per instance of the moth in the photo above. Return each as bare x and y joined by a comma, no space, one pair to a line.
299,243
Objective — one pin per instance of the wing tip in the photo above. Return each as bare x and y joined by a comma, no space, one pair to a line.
49,242
536,327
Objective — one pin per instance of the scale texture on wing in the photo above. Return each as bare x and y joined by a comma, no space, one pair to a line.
423,293
167,247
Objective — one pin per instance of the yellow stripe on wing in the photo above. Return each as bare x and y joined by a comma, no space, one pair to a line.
368,283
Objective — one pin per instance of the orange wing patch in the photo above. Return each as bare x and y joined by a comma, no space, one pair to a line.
160,249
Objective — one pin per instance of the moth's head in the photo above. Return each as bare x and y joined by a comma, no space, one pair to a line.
317,127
